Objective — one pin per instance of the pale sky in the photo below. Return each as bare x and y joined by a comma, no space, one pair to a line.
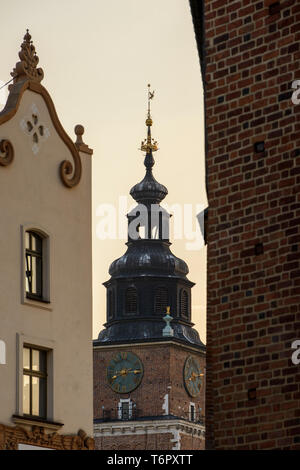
98,57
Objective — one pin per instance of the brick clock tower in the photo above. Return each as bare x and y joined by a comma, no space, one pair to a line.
149,362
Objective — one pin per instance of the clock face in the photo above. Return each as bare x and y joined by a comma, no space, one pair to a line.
125,372
192,375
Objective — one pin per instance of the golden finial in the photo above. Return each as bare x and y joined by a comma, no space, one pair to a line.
149,144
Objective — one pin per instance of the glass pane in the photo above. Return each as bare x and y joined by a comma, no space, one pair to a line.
38,397
27,239
36,275
26,358
28,272
125,410
33,244
39,360
43,361
38,244
33,274
39,276
27,285
26,394
35,359
35,396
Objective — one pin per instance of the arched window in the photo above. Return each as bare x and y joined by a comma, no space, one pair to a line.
111,304
131,300
161,300
34,265
184,303
36,273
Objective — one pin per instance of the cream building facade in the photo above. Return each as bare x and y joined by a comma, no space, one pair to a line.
46,271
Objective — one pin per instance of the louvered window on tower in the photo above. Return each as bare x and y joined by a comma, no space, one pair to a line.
131,300
161,300
184,303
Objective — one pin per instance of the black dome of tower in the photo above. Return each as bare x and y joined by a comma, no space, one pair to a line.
148,277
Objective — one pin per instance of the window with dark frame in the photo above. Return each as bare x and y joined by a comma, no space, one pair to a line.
34,265
125,410
192,412
184,303
131,300
34,382
161,300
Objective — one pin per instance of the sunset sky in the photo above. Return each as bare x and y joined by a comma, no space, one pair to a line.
98,57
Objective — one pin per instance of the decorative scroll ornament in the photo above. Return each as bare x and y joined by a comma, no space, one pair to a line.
66,167
27,68
7,149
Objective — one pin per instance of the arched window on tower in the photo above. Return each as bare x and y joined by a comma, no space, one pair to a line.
161,300
184,303
131,300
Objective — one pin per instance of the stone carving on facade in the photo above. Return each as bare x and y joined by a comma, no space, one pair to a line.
11,437
32,126
27,69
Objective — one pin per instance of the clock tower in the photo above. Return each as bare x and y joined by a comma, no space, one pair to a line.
149,362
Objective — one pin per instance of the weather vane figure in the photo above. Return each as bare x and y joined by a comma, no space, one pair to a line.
149,145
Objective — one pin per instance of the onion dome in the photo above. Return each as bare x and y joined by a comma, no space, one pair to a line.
149,191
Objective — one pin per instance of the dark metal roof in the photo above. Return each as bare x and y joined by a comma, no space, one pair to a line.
148,257
147,330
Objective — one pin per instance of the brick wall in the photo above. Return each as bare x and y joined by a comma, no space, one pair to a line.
163,374
138,442
148,442
253,276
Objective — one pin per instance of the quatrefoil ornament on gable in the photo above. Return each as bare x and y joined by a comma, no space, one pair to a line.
34,128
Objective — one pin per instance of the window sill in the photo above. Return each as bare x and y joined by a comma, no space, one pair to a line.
32,421
38,303
38,299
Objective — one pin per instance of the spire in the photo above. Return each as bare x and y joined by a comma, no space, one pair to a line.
149,145
27,69
149,190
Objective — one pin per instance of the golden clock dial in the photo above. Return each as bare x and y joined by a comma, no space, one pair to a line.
124,372
192,376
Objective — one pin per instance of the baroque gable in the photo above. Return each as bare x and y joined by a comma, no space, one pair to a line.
30,103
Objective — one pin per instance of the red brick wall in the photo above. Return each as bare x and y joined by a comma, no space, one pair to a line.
163,374
163,368
192,442
138,442
253,311
148,442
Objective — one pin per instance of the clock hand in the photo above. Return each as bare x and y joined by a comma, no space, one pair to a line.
124,372
135,371
193,376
